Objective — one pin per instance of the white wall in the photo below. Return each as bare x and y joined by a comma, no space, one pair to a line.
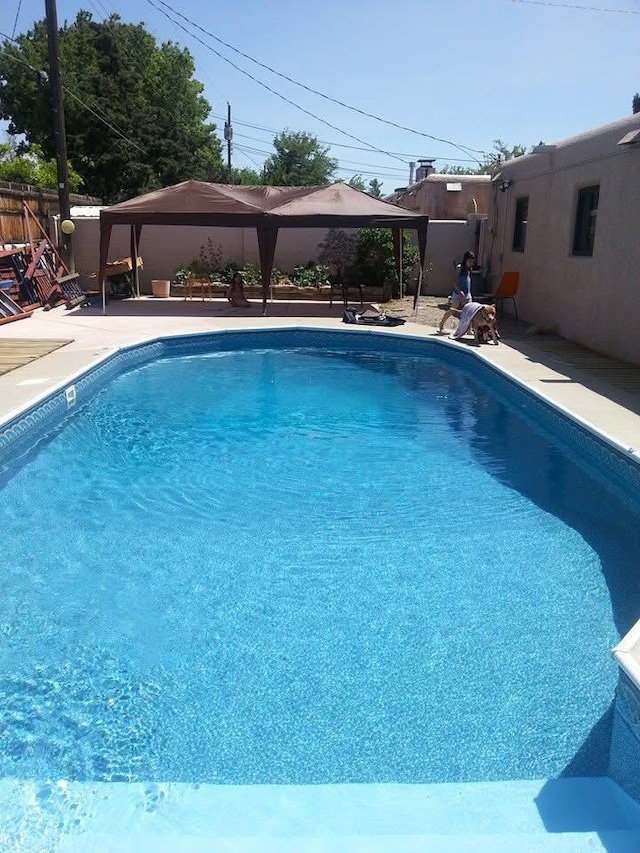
165,248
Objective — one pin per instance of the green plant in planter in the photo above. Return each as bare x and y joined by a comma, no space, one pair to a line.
278,277
227,274
374,263
251,275
198,268
310,275
182,274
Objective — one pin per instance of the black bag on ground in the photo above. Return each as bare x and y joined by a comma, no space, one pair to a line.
369,317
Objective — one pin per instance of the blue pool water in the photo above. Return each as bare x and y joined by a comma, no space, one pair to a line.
308,566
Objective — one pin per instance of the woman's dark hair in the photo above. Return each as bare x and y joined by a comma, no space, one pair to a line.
467,256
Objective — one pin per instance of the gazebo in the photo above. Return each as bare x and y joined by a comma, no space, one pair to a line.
267,209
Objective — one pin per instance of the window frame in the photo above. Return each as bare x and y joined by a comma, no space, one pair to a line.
520,224
585,220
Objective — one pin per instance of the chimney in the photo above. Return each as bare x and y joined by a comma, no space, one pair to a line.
412,167
425,167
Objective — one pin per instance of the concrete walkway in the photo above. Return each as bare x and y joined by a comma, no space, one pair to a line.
601,392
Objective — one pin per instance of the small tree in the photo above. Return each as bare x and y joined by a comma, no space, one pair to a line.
501,152
338,252
375,264
244,177
299,160
357,183
375,188
636,103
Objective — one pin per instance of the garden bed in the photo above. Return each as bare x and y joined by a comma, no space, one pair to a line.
280,291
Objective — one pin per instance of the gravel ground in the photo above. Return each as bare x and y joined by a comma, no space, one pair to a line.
431,309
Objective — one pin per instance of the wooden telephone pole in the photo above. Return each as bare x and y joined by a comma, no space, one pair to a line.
59,135
228,135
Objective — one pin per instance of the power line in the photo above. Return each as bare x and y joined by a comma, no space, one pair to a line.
103,6
390,171
45,77
204,76
272,130
395,173
255,162
15,22
342,160
103,120
577,7
370,174
268,88
95,9
326,97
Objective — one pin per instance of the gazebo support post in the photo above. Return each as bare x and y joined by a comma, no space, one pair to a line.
267,239
135,237
105,239
422,248
396,235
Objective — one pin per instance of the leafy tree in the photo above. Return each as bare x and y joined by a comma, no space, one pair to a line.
501,152
299,160
636,103
244,177
446,169
32,168
505,153
375,188
144,90
357,183
374,261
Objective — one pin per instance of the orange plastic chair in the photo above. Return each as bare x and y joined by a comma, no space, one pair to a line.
507,289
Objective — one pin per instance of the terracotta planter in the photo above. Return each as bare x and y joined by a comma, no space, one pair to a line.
161,288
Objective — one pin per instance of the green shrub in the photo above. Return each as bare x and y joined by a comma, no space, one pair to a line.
310,275
374,263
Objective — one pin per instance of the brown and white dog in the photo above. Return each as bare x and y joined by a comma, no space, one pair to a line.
482,325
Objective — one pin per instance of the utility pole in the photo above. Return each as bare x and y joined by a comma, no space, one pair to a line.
228,134
59,135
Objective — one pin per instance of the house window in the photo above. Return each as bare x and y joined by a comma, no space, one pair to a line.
586,214
520,224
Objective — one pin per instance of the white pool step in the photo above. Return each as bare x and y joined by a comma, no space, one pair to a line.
589,842
532,816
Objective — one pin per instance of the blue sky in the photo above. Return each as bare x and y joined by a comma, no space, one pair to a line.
465,70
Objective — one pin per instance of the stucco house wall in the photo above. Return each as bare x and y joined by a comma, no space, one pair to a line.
438,196
447,241
594,300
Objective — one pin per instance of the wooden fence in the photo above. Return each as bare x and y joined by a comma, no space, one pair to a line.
42,203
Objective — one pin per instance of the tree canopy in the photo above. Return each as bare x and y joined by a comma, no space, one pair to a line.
635,105
32,168
299,160
145,91
501,152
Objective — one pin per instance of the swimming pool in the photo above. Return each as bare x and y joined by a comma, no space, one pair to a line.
310,562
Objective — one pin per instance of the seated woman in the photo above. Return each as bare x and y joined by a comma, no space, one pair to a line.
235,292
462,289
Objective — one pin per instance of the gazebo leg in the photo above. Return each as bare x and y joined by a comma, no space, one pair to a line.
267,239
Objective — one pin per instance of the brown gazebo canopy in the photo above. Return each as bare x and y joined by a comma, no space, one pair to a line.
267,209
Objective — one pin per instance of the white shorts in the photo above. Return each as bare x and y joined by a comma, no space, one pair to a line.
455,300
